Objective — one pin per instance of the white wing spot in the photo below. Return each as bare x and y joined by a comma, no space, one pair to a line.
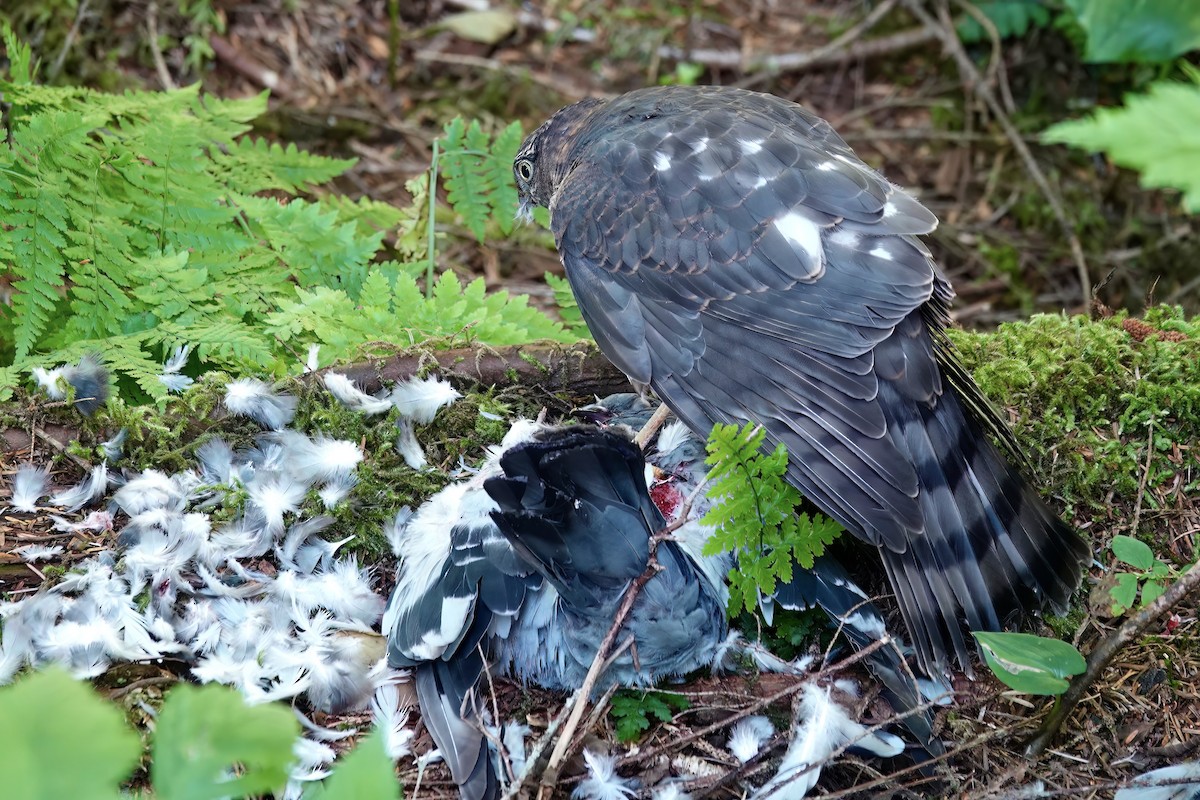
662,162
844,238
890,209
700,145
749,147
707,176
802,232
760,182
827,166
882,253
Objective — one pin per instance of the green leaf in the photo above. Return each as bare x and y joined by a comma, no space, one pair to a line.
62,741
210,744
1151,591
1133,552
1123,593
632,709
366,773
1030,664
1157,133
1137,30
1011,18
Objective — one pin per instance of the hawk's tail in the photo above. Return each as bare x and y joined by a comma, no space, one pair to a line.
991,550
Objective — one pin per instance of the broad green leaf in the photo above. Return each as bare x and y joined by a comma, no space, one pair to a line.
1157,133
1124,592
1138,30
1011,18
62,741
1030,664
1151,591
1133,552
210,744
366,773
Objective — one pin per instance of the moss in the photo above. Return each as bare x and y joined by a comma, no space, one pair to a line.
1084,395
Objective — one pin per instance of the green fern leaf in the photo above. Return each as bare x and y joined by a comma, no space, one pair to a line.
754,515
503,199
266,165
466,174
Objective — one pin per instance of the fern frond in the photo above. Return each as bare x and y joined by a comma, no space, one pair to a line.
262,165
467,174
503,199
754,515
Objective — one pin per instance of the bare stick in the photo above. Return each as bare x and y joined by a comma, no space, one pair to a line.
1099,658
579,699
652,425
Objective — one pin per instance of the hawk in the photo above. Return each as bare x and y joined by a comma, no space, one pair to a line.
729,250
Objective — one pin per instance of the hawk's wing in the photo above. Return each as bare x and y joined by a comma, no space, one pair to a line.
747,265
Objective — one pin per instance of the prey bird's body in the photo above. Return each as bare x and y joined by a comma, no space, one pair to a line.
729,250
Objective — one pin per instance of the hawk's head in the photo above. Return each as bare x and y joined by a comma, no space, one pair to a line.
545,156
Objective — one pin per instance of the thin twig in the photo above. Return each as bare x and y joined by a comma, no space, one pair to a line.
945,31
160,66
579,700
68,40
1100,657
1141,493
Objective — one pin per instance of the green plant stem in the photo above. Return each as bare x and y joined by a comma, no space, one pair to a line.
429,231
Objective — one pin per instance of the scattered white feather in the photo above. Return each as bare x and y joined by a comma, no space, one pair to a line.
394,530
274,494
407,445
114,448
38,552
96,521
29,486
669,791
420,399
822,727
149,490
171,376
602,782
748,736
297,535
392,720
90,489
353,398
317,459
313,362
312,761
51,381
337,489
250,397
1178,782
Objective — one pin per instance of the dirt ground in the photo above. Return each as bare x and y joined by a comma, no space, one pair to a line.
377,80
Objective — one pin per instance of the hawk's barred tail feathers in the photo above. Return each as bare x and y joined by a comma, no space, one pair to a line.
991,549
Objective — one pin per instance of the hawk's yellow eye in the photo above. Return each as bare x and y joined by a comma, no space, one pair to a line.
524,169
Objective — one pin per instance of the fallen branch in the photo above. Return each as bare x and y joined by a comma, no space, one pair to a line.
1104,653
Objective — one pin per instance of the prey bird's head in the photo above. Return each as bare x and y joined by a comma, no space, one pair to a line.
545,156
